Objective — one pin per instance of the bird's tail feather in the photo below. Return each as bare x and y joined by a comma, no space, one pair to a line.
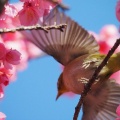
101,103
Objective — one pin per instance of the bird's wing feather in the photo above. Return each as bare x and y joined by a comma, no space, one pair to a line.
101,103
64,46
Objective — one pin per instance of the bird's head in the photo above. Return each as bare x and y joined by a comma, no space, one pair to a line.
61,87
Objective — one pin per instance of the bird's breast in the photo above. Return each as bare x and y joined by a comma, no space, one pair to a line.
76,74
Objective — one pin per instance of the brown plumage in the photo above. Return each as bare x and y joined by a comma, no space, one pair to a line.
72,48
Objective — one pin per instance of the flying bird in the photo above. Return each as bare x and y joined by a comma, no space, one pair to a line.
78,52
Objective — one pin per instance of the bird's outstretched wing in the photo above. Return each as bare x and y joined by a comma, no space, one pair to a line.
64,46
101,103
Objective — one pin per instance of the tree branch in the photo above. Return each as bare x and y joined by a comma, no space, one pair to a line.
93,78
36,27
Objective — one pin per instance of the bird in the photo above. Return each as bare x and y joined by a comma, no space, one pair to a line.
78,51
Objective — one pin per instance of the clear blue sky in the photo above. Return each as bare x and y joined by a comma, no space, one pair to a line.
32,95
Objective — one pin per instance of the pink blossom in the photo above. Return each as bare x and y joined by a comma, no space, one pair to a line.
36,2
104,47
6,75
2,50
18,5
9,16
108,31
47,4
9,36
33,51
107,37
9,56
4,80
10,10
19,44
13,76
2,116
33,10
30,14
1,40
13,57
116,76
1,91
25,0
118,112
118,10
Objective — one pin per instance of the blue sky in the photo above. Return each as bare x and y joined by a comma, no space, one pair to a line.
32,95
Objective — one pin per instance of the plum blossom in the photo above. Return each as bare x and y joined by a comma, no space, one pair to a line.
34,10
2,116
5,75
33,54
1,91
106,39
13,57
9,56
9,17
4,79
118,112
30,14
2,50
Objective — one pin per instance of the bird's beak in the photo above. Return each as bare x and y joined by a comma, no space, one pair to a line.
58,95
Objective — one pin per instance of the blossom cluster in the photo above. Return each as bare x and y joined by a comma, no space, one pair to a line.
8,58
106,39
26,12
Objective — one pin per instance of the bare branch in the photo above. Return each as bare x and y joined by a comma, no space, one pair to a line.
93,78
36,27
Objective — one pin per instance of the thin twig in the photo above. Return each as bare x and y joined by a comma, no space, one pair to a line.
36,27
93,78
